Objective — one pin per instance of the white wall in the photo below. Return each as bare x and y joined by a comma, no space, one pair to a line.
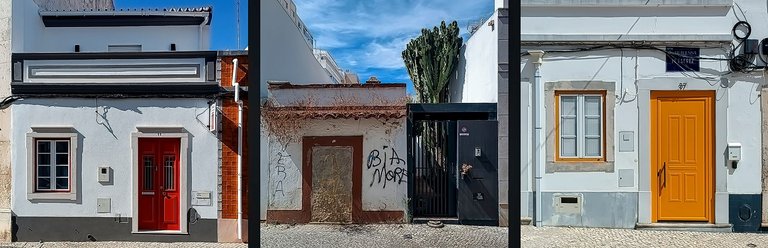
376,135
30,35
329,97
100,148
629,20
5,121
285,55
609,65
476,75
285,160
501,4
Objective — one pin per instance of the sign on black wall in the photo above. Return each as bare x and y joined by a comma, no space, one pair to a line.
682,59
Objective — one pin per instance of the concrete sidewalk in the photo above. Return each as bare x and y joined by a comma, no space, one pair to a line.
119,244
392,235
599,237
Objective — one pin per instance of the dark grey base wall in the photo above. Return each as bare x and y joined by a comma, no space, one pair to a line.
33,229
601,209
745,212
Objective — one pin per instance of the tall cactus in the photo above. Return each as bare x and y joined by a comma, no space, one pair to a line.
430,60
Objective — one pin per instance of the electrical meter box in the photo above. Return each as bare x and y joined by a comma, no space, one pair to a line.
734,151
104,174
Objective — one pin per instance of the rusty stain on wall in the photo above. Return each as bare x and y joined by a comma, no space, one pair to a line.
332,184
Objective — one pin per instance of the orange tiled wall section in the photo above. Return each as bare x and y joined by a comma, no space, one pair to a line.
229,141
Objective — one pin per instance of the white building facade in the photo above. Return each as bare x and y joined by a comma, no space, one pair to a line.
330,66
287,54
5,121
111,132
641,113
341,159
481,77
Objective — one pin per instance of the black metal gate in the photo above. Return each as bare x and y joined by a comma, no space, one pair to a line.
432,155
434,185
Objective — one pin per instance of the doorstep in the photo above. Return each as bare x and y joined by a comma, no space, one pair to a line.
444,220
524,221
685,227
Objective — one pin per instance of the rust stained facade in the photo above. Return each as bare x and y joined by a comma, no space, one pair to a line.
321,169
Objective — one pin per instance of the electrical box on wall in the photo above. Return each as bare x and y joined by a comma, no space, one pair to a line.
751,46
734,151
213,117
764,46
104,174
201,198
103,205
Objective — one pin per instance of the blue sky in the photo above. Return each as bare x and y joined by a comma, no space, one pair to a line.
367,37
223,29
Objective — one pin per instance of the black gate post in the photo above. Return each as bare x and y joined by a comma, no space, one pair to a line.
410,167
453,162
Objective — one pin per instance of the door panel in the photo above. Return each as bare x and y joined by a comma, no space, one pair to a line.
159,184
682,136
169,183
332,184
147,199
478,186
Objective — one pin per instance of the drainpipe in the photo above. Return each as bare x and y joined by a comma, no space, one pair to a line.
538,135
236,86
200,40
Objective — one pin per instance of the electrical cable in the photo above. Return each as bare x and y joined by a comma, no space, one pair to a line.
745,24
7,101
736,63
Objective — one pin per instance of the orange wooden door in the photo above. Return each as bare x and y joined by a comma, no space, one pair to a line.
682,155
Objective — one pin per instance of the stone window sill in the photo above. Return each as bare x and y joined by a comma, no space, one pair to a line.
586,166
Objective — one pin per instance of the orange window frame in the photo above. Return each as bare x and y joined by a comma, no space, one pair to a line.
557,125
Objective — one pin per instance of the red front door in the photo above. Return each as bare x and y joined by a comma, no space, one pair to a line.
159,184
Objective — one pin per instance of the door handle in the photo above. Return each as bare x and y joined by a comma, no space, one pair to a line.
663,170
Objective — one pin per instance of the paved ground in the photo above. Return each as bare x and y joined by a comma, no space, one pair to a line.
394,235
419,235
118,245
596,237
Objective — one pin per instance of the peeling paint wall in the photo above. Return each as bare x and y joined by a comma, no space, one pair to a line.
5,121
384,168
332,184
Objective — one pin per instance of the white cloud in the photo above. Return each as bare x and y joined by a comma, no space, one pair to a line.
385,55
371,34
326,41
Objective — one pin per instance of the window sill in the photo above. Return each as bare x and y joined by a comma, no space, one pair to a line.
68,196
579,166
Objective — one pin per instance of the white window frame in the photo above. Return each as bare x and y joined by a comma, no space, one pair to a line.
53,163
44,134
580,125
